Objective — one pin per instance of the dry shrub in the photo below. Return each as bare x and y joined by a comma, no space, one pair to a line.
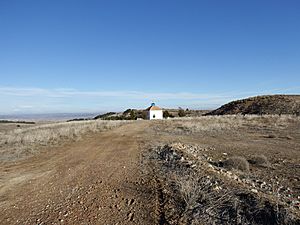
259,160
192,195
237,162
191,192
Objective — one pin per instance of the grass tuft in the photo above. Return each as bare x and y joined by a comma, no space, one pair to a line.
237,162
259,160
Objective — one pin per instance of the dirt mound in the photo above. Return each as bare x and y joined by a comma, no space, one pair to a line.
192,191
268,104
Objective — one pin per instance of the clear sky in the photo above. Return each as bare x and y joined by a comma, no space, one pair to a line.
87,56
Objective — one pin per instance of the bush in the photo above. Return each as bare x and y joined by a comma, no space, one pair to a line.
133,115
237,162
259,160
166,114
181,112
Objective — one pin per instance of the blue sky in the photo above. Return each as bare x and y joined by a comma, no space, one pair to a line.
88,56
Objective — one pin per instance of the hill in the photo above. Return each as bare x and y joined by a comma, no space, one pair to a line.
268,104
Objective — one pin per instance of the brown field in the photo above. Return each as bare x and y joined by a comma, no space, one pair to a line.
206,170
5,127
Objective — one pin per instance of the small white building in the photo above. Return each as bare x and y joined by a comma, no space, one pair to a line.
154,112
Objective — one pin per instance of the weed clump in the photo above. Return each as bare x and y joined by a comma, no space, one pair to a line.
237,162
259,160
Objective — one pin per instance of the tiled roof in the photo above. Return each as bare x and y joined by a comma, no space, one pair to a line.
154,107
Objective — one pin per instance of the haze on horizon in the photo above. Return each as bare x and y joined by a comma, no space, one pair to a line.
89,56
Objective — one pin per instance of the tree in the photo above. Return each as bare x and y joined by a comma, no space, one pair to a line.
144,114
166,114
181,112
133,115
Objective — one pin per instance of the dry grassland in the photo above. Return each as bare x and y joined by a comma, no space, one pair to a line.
26,141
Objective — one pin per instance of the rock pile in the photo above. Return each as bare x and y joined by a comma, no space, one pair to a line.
195,155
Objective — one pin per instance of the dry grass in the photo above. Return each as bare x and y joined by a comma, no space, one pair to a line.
237,162
219,123
220,137
22,142
194,195
260,160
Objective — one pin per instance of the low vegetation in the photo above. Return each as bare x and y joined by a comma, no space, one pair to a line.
191,192
133,114
237,163
17,122
23,142
129,114
259,160
213,124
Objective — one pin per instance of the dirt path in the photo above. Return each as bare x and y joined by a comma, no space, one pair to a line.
96,180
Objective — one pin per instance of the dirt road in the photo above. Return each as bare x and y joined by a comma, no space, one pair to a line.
96,180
